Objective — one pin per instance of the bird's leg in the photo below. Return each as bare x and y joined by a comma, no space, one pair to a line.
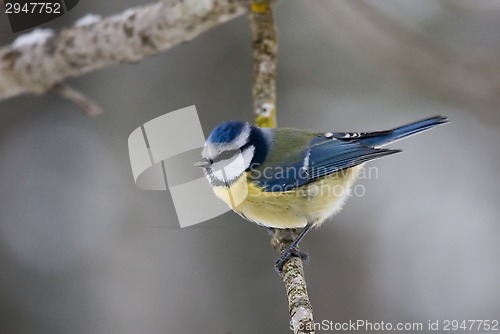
292,249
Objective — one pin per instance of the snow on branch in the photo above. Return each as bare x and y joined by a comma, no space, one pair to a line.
36,62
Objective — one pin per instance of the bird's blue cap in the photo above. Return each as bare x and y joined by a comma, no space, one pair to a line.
226,132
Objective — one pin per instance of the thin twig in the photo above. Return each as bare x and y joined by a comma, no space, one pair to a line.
467,6
265,48
359,25
88,106
37,63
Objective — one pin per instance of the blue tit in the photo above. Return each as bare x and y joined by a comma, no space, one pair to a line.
291,178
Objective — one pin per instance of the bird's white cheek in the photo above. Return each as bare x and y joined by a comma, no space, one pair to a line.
228,171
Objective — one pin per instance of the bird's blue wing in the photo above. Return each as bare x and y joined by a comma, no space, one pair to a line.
322,157
333,155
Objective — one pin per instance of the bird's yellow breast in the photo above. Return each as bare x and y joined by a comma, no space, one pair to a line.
312,202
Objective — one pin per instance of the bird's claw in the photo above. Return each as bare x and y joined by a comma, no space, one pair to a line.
286,255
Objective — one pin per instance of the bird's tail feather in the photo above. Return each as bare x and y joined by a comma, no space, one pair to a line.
387,137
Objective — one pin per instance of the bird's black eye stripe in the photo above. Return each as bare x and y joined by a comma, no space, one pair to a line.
226,155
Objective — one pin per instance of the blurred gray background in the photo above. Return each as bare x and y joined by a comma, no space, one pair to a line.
83,250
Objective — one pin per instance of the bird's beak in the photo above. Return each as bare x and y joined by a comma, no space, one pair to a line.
203,163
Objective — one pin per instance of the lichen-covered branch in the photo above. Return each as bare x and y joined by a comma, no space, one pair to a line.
38,62
299,306
265,48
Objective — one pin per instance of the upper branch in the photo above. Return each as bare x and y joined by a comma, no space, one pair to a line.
265,50
37,66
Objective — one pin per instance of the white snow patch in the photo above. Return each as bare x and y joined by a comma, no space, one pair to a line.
37,36
266,109
87,20
125,14
301,313
199,7
266,67
128,12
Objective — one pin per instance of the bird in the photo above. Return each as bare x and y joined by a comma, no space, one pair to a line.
285,178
